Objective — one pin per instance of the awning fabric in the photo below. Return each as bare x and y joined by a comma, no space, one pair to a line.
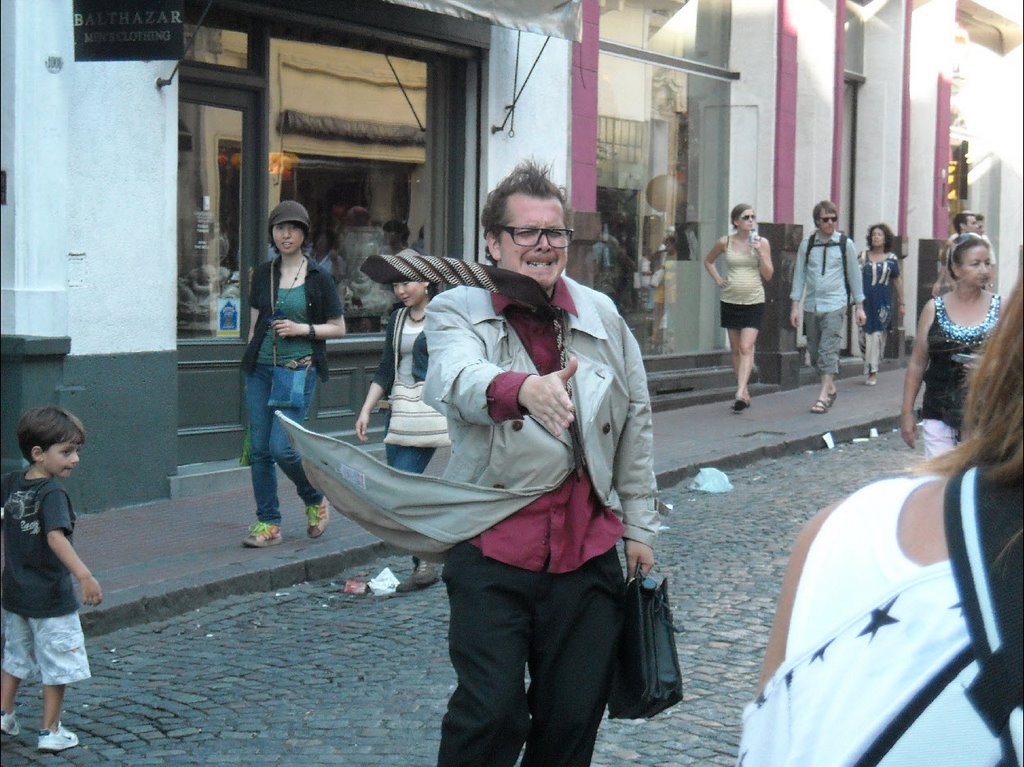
331,128
556,18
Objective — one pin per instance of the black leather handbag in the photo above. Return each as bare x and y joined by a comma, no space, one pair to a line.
647,679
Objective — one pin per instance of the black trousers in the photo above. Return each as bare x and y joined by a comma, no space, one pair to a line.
563,628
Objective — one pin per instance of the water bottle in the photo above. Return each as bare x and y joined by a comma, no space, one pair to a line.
754,238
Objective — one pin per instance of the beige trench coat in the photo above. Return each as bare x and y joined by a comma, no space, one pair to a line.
470,344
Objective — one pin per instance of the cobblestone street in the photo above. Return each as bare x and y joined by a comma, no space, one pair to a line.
312,676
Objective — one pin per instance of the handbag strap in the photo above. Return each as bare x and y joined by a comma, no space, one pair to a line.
273,336
396,339
950,697
988,580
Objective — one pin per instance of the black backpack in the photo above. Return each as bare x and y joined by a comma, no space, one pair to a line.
813,243
985,553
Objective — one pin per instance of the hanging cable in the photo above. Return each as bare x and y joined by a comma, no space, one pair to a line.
510,110
162,82
407,99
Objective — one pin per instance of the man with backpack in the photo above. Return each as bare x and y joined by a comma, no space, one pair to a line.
825,280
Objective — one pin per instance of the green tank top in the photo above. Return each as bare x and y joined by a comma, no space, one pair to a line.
291,301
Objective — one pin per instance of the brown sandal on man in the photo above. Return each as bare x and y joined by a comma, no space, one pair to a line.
820,406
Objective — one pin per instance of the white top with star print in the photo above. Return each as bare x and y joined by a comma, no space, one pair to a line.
870,628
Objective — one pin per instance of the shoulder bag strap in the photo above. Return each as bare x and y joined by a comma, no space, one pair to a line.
273,337
396,339
996,692
807,251
943,695
846,277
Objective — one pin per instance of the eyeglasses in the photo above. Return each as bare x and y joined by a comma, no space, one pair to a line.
828,219
529,237
749,217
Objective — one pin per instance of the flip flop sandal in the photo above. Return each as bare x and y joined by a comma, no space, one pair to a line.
819,407
832,398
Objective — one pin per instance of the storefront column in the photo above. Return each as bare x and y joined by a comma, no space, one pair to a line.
777,358
928,252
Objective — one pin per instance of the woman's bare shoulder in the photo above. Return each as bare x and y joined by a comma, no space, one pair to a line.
922,532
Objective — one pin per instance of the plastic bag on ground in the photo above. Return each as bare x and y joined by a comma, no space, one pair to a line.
711,481
384,583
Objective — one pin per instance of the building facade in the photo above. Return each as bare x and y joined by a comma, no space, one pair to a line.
136,192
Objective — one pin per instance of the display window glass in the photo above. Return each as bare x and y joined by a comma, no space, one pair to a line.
692,30
662,174
348,135
209,186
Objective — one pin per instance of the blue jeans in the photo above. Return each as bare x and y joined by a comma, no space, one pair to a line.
407,458
270,445
412,459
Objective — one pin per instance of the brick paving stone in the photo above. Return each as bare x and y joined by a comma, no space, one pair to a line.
308,676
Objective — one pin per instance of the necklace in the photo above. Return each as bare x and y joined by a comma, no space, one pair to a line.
415,320
295,279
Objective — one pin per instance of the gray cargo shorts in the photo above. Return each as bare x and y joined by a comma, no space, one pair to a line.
824,333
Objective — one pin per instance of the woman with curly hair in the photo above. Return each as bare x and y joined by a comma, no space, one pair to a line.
879,269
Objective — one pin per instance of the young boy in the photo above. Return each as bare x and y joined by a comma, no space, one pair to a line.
42,632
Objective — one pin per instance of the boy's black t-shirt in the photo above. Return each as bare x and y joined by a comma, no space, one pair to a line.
36,584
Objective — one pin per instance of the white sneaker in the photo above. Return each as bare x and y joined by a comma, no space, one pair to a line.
56,740
9,724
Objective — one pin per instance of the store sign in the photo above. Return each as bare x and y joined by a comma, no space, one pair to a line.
128,30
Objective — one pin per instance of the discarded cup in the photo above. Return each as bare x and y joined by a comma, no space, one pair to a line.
873,433
829,442
355,587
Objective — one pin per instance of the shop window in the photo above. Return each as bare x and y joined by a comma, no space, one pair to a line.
691,29
662,167
661,170
348,138
209,187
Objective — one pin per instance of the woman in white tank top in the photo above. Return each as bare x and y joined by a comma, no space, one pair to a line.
412,366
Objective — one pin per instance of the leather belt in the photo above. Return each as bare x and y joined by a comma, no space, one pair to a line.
301,362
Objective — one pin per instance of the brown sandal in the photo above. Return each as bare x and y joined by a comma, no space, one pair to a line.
819,407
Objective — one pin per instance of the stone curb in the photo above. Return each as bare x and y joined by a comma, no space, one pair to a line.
100,621
788,447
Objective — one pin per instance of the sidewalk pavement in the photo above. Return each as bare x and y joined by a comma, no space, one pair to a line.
166,558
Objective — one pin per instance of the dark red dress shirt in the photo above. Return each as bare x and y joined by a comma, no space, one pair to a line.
563,529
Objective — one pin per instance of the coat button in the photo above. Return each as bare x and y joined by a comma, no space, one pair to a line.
517,426
499,486
606,428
